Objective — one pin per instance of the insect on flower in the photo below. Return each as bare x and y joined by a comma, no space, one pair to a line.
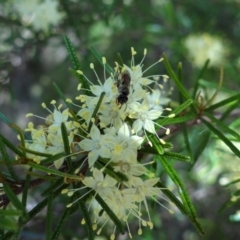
123,86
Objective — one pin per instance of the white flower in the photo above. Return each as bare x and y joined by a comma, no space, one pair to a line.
145,188
96,146
122,205
59,118
102,185
130,169
136,76
108,87
55,142
205,46
124,146
40,14
142,189
38,144
155,101
88,108
111,115
144,118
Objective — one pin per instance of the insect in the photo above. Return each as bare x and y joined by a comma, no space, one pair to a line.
123,86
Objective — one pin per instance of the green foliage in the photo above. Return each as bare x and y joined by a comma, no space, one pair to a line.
206,109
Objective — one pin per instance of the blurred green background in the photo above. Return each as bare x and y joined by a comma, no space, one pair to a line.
33,57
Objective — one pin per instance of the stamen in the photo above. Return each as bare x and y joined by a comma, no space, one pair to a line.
144,55
81,73
162,141
83,221
150,67
133,52
172,115
149,142
104,61
92,67
53,102
168,131
68,100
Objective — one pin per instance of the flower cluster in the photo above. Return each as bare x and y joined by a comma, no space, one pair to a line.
110,126
205,46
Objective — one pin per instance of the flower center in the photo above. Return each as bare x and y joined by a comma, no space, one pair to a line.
114,114
125,145
125,167
143,116
97,145
118,149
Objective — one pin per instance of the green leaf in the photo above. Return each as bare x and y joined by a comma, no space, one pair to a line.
75,61
96,109
68,211
34,212
186,140
8,224
236,193
223,127
182,119
8,122
200,142
224,102
199,77
182,192
59,182
11,146
176,111
222,137
12,197
10,213
49,217
110,213
119,60
157,145
172,75
52,171
72,54
66,144
53,158
177,156
228,111
41,154
26,188
61,223
21,135
172,197
176,179
235,124
4,118
87,220
86,215
7,160
184,128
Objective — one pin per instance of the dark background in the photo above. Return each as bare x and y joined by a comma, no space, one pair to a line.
33,57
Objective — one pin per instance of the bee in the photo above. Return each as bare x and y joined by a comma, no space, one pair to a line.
123,86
